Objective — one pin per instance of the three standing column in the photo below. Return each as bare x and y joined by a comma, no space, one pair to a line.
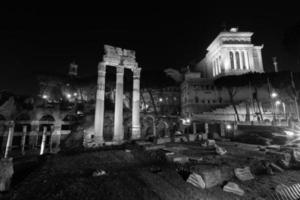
99,111
118,122
136,126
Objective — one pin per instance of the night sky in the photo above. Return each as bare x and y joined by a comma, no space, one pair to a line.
46,38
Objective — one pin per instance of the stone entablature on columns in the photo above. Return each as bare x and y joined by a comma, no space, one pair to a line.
121,59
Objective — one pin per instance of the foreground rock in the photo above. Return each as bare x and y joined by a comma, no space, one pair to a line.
6,172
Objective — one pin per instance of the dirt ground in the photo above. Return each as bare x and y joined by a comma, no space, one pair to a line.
129,175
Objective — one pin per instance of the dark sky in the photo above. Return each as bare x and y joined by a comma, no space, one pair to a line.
46,38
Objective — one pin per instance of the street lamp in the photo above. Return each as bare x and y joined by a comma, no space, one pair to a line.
274,95
69,96
45,96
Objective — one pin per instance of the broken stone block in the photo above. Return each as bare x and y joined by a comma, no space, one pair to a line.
6,173
287,192
195,159
276,167
192,137
177,158
196,180
273,147
243,174
99,172
296,155
221,151
233,188
163,140
154,147
276,155
211,142
211,177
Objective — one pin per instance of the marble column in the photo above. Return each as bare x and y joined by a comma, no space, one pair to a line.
99,111
23,141
118,122
136,125
9,140
194,128
43,143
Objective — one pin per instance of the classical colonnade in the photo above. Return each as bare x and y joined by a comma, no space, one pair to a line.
120,59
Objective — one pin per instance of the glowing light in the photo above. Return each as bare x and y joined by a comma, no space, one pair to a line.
69,96
45,96
160,99
75,94
274,94
289,133
277,102
188,120
228,127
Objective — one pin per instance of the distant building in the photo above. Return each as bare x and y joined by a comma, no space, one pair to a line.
230,53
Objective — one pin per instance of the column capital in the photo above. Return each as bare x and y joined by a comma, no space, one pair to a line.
136,72
101,67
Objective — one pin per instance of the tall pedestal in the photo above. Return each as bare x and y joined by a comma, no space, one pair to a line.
136,126
99,111
118,122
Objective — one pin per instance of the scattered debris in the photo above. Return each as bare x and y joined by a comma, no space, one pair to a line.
195,159
274,147
280,187
287,192
261,148
177,158
211,177
163,140
196,180
233,188
296,155
6,173
193,137
154,147
155,169
284,164
99,172
127,150
221,151
211,142
243,174
276,167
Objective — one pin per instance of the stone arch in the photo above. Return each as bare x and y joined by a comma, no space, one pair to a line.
162,128
47,117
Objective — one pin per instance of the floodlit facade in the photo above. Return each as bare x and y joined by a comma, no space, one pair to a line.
230,53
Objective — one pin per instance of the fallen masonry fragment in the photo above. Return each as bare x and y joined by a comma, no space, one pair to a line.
233,188
243,174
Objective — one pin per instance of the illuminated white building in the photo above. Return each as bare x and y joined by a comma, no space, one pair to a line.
230,53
